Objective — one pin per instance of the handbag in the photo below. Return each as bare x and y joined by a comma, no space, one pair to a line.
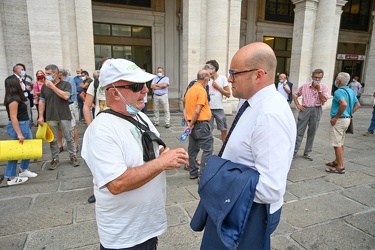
350,129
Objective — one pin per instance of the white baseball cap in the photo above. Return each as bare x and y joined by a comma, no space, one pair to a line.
114,70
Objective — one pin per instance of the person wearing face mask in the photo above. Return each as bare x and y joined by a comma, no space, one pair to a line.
198,115
53,100
19,70
130,189
284,87
314,95
160,86
37,88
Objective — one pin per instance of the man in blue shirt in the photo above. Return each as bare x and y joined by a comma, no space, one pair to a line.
78,81
64,76
344,104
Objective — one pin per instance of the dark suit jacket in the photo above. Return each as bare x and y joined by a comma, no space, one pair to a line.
226,208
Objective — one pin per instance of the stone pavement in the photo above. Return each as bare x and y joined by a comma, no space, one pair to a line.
321,211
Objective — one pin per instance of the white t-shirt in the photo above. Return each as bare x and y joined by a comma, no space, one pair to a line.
282,91
216,98
110,146
100,103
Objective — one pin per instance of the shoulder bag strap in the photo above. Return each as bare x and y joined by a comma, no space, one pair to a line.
139,125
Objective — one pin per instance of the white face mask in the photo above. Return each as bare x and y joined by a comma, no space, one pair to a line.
160,74
83,78
129,108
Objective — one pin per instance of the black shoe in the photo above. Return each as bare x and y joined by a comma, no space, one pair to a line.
195,176
91,199
308,157
61,149
167,126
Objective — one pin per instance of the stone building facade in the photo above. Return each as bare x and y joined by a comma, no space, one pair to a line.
180,35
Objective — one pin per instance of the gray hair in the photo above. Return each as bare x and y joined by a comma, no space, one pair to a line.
96,74
52,67
203,75
344,78
317,71
208,66
64,72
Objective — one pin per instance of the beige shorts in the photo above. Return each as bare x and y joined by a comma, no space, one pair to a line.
337,133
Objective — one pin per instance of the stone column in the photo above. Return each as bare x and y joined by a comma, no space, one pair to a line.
369,76
303,41
327,28
191,44
4,71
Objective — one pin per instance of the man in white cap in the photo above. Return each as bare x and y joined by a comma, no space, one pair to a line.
129,183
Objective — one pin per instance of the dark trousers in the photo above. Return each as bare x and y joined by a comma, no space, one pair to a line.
151,244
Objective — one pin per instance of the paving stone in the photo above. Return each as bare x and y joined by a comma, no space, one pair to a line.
64,237
31,220
193,190
283,228
365,222
319,209
312,187
334,235
52,200
178,195
76,183
180,180
180,237
11,207
13,242
90,247
307,173
85,212
29,189
288,196
176,215
281,243
68,171
363,194
350,179
190,207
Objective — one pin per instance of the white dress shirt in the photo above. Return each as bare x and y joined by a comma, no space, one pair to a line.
264,140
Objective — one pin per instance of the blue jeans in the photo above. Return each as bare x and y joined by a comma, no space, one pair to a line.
11,168
372,125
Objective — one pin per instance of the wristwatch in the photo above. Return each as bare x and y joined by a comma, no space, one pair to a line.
320,91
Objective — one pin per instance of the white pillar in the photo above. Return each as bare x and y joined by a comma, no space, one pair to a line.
326,33
303,37
192,25
369,76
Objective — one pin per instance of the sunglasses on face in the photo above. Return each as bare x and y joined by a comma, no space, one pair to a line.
134,87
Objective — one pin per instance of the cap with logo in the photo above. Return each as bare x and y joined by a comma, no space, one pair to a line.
114,70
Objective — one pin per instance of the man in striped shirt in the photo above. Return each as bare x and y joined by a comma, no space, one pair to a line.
314,95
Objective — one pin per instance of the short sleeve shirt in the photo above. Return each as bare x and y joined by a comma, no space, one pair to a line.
57,109
197,95
216,98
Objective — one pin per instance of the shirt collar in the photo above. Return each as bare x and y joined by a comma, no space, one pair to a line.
261,94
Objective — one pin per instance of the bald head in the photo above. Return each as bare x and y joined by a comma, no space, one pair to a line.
254,63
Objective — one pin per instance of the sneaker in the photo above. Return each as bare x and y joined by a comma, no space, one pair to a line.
74,161
308,157
368,133
27,173
167,125
61,149
17,180
156,124
54,163
92,199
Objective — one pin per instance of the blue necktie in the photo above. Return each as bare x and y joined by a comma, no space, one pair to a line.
236,119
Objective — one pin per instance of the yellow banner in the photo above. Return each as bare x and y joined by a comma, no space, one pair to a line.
14,150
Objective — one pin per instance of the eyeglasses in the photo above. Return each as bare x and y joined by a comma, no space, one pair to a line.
232,73
134,87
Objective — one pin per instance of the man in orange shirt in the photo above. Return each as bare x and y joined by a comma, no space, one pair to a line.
198,115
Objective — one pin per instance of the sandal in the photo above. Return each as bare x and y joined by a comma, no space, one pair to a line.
335,170
331,164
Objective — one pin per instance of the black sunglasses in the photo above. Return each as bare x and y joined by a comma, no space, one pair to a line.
134,87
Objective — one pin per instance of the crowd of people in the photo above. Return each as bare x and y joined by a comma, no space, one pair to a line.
132,181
